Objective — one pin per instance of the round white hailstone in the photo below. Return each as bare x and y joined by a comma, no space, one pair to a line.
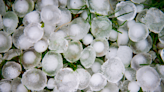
5,87
133,86
87,39
148,78
97,82
8,22
48,15
32,17
76,4
75,29
131,23
141,45
29,57
74,48
113,35
21,6
40,46
51,83
140,7
3,40
51,63
96,67
123,38
12,72
98,46
21,88
24,43
34,33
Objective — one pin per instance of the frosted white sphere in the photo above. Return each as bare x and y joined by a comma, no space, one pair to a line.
98,46
29,57
133,86
87,39
21,6
40,46
51,83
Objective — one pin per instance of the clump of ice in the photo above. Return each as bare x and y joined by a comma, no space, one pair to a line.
98,46
29,57
133,86
87,39
97,82
34,32
40,46
148,78
11,70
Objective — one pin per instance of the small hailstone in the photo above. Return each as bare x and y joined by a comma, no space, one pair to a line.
87,39
133,86
51,63
113,35
34,79
32,17
29,57
5,85
62,3
131,23
51,83
123,37
21,88
148,78
112,52
139,7
96,67
97,82
40,46
98,46
21,6
84,14
34,32
11,70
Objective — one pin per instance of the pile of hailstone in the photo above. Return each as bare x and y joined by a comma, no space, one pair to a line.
80,46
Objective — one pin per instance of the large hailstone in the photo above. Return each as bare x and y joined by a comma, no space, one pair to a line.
51,15
17,85
125,10
73,52
101,46
11,70
97,82
22,7
88,56
154,20
66,80
41,45
31,17
78,28
10,22
20,40
34,79
113,69
5,85
142,58
5,42
148,78
52,62
34,32
101,27
138,32
99,6
74,5
125,54
30,59
142,46
84,77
